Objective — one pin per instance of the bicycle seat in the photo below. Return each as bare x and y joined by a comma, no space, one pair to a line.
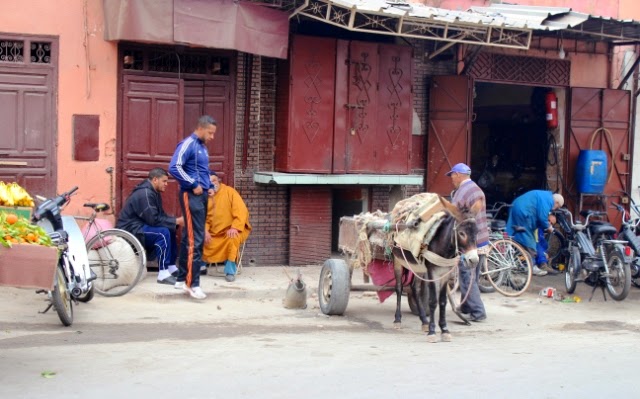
98,207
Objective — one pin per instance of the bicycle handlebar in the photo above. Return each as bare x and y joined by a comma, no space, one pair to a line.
586,220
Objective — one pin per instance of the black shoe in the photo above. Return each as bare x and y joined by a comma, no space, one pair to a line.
175,274
478,318
230,277
169,280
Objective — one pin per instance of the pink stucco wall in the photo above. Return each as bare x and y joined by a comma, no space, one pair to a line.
86,84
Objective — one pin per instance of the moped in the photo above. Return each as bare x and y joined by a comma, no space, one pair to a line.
72,282
604,265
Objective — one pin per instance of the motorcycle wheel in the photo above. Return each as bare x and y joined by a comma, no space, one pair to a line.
572,270
61,298
619,279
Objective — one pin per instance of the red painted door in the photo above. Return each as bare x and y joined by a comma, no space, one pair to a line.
152,126
304,143
212,98
600,121
309,225
449,130
27,149
395,110
362,107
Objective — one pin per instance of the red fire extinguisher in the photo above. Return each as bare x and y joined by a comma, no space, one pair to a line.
551,107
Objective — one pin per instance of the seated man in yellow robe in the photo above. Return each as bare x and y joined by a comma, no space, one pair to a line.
226,228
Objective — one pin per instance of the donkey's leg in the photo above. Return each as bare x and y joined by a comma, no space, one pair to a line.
442,321
417,288
397,272
433,303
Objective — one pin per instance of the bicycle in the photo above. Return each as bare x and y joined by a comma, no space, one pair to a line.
116,256
508,268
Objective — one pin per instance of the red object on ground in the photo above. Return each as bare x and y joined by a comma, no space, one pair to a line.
381,272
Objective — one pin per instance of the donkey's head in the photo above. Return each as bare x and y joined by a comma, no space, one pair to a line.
465,230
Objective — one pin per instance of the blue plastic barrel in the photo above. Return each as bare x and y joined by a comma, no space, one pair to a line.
591,171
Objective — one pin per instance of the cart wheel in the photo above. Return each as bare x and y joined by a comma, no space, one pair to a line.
334,287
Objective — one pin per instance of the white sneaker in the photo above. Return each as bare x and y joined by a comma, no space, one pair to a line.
196,292
538,272
179,285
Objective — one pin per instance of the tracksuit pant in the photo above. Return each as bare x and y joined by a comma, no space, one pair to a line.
194,210
163,242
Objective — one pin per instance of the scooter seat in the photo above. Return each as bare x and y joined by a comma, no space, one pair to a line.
602,228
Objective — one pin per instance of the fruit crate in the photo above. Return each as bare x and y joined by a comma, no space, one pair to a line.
28,266
20,211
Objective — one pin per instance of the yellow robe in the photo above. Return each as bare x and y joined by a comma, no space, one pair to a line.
225,209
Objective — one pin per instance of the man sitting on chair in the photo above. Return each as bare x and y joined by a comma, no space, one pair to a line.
226,228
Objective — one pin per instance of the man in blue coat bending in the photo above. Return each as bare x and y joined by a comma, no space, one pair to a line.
531,211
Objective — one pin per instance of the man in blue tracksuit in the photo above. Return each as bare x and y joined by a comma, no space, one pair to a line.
190,167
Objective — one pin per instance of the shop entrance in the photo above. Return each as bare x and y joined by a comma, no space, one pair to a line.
509,140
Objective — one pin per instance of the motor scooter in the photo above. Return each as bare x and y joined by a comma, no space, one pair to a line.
73,276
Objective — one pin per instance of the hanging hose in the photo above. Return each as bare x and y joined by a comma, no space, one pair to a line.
609,140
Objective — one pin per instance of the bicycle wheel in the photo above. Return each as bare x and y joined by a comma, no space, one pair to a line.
508,267
118,260
557,247
484,284
61,298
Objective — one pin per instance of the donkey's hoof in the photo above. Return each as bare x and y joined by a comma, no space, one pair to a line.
425,328
397,325
432,339
446,337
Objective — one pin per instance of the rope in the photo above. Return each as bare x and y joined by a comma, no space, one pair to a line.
609,140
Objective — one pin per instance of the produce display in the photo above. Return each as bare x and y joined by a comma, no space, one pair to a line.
17,230
11,194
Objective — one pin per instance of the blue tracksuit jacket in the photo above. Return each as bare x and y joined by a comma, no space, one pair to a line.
190,164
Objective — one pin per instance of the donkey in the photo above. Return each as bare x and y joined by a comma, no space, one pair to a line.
455,236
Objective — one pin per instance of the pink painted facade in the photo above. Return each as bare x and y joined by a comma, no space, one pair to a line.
87,84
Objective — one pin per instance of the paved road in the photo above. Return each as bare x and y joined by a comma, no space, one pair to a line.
241,342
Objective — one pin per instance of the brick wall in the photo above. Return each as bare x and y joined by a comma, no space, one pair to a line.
268,243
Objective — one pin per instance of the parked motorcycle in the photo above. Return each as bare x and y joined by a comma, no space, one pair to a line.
603,262
73,276
627,232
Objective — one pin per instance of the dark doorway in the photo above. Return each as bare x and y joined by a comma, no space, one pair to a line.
509,136
346,202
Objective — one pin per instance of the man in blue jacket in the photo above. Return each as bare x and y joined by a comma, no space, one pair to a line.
531,211
190,167
144,217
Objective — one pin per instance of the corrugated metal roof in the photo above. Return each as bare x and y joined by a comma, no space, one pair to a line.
497,25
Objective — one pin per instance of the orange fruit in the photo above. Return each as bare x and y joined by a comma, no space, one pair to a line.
11,218
31,237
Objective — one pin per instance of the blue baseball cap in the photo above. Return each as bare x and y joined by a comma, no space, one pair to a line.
461,168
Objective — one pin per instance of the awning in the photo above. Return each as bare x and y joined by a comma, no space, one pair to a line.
498,25
338,179
222,24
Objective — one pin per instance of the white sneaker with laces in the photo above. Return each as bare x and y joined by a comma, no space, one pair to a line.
537,272
179,285
196,292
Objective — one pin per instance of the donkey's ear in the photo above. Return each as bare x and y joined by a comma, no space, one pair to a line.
452,209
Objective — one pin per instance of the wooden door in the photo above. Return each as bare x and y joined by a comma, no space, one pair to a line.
152,126
213,98
309,225
304,139
600,121
449,130
362,107
28,115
